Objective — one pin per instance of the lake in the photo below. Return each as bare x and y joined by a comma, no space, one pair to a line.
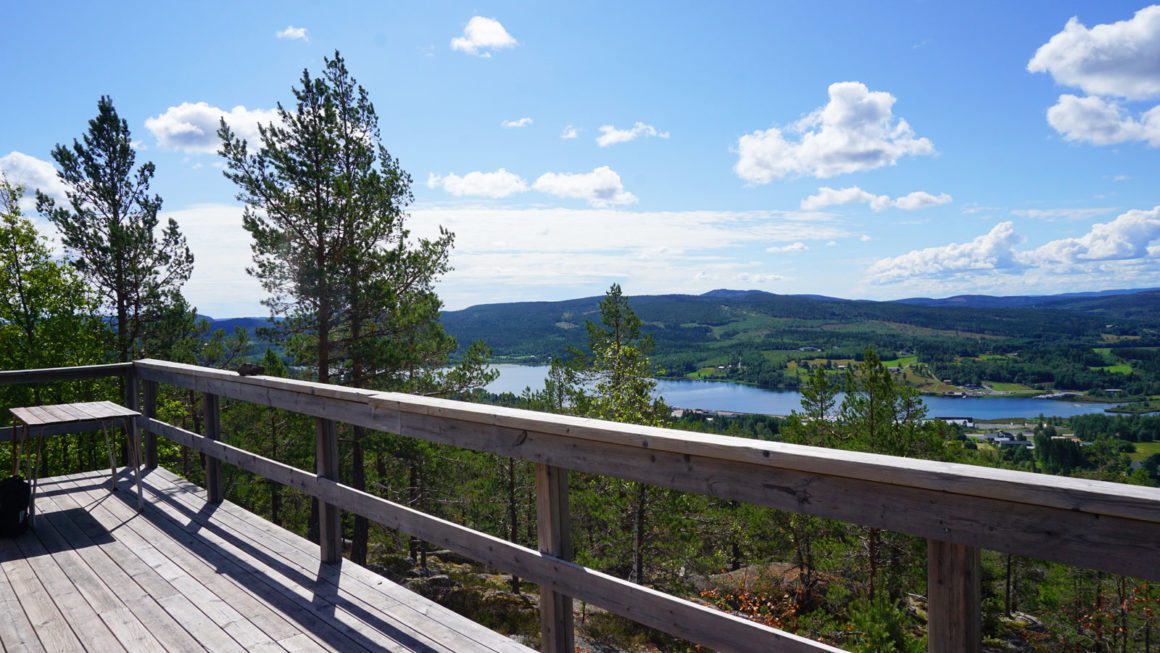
722,395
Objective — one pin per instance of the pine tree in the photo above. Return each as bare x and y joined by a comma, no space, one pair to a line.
110,229
46,313
621,376
326,207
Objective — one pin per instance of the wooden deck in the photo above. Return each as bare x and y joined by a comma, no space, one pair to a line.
187,575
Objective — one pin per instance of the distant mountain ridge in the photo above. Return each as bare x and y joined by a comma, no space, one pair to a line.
683,323
1024,301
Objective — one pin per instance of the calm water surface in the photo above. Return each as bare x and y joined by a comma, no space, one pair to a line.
721,395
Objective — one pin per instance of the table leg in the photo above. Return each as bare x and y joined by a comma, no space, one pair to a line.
35,478
109,441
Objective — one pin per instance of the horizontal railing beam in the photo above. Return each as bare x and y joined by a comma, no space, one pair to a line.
1096,497
947,502
52,374
691,621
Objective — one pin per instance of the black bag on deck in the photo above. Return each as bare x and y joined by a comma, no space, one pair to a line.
14,495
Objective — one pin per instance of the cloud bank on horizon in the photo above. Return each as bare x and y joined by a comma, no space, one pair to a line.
856,178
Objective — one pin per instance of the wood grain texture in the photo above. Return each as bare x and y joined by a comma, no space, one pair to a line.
212,416
51,374
188,575
385,411
554,532
149,409
327,466
656,609
953,597
1056,518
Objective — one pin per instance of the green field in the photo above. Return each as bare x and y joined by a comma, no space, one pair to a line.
1145,449
905,361
1122,368
1010,387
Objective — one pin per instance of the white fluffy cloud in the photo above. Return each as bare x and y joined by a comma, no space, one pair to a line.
601,187
827,196
293,33
521,122
33,174
1120,59
1126,237
990,252
219,285
1099,121
482,36
856,130
500,183
610,135
920,200
798,246
570,132
1107,249
509,254
192,127
1113,62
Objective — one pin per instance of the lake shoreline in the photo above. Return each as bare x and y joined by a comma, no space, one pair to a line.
733,397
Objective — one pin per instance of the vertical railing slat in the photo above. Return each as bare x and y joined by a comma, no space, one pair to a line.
213,466
554,528
953,608
149,409
326,463
133,431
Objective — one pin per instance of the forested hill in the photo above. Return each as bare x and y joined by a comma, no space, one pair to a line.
729,319
1119,303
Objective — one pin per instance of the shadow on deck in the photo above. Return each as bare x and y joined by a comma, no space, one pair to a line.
187,575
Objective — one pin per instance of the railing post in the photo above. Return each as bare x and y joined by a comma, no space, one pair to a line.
213,466
149,410
133,433
129,385
326,462
554,527
953,598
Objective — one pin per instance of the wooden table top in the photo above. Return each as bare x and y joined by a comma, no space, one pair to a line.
89,411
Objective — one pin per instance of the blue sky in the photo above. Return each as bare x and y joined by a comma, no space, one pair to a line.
851,149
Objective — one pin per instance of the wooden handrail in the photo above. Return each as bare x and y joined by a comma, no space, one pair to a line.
1048,517
51,374
959,509
676,616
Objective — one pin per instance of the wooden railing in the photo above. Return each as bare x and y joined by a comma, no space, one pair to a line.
959,509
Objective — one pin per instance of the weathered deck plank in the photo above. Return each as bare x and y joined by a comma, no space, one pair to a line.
353,583
187,576
230,609
16,632
384,621
41,610
95,588
83,620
